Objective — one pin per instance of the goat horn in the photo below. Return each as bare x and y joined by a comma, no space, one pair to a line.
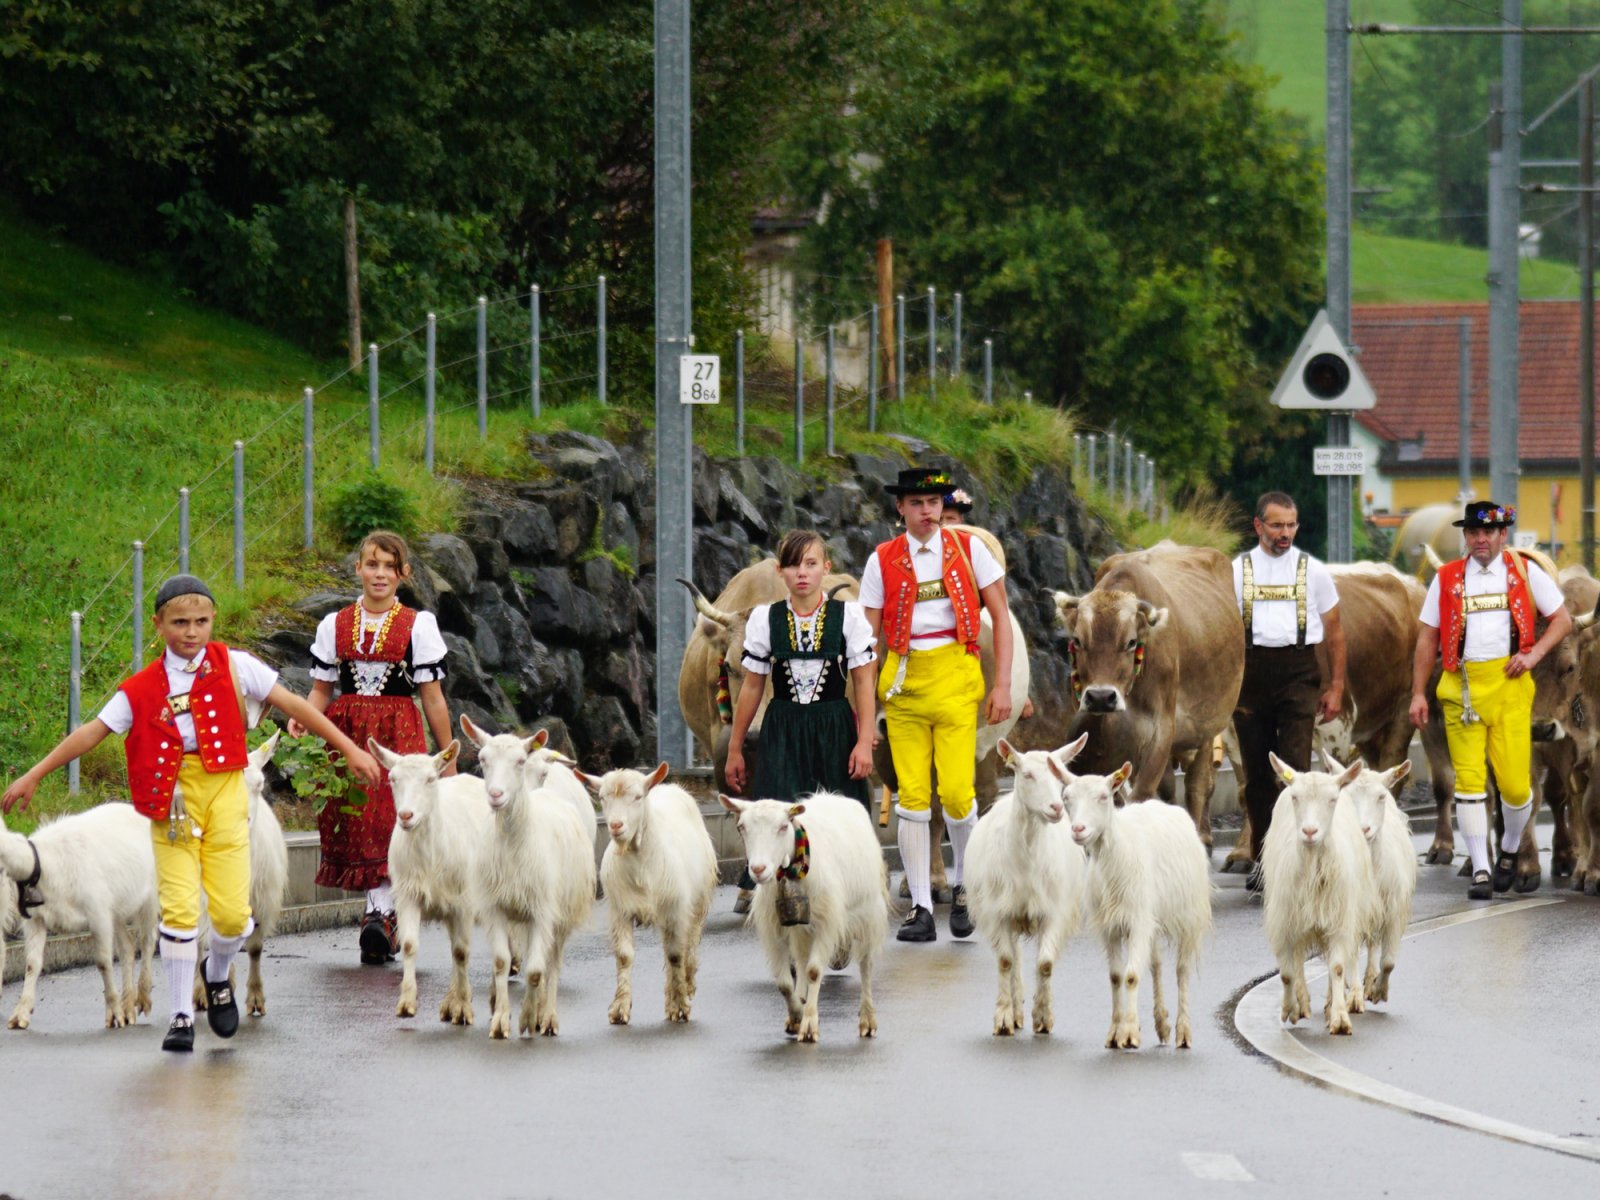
704,607
1584,620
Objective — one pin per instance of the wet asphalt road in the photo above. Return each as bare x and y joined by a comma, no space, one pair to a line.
330,1094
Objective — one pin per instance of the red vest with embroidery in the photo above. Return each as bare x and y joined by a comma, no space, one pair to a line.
1452,609
900,590
155,747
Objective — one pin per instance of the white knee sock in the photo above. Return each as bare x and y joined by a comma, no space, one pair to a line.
1472,819
220,957
1516,820
178,952
912,835
380,899
960,831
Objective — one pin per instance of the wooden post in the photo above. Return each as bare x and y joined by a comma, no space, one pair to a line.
886,329
352,279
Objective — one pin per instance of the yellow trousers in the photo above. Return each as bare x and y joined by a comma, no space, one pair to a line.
216,858
933,722
1501,737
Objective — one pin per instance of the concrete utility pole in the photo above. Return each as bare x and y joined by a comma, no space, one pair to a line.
1340,535
674,420
1505,212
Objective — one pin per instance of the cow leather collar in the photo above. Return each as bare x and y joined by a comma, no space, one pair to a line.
29,896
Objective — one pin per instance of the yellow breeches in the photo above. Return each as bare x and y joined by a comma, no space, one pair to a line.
933,723
1502,735
218,858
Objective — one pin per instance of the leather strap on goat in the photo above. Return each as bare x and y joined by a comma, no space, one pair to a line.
29,896
800,861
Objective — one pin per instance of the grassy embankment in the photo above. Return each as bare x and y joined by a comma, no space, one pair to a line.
115,391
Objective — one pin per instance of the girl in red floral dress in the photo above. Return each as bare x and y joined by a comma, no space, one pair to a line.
383,656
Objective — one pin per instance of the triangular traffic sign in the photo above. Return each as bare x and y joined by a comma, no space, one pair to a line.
1323,374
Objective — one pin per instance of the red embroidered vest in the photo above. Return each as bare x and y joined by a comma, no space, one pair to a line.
1452,609
155,747
900,590
347,639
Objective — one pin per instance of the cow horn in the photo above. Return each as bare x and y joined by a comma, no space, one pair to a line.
1431,556
837,588
705,608
1584,620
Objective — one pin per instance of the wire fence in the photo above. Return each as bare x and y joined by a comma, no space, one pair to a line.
523,352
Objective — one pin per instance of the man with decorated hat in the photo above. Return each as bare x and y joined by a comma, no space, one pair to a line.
1479,617
923,593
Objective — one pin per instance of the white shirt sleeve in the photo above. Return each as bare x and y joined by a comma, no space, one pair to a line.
1324,593
427,648
757,641
1238,582
117,715
1430,605
256,679
985,567
860,647
872,583
1547,595
325,650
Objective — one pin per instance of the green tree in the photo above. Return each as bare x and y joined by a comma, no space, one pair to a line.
1107,186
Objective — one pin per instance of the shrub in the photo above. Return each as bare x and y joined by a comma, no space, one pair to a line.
372,502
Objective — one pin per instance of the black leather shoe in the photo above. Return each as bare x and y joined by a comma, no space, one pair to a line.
180,1035
377,940
222,1014
960,919
1252,881
1482,888
918,926
1505,870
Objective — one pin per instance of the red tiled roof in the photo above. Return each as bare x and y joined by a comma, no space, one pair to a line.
1411,355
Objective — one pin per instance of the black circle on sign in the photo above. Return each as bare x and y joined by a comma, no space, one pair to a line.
1326,376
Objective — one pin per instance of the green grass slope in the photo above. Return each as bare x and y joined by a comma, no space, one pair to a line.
1396,270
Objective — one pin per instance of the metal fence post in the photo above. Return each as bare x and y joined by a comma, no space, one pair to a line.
138,605
533,353
238,514
1094,442
955,339
1111,466
600,354
183,531
1127,473
738,392
1027,397
308,480
483,367
428,393
828,426
372,404
799,400
900,347
1077,457
75,694
933,342
988,371
872,370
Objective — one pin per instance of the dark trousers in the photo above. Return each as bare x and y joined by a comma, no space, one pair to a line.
1277,712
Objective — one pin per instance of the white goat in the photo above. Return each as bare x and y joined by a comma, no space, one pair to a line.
660,869
846,883
538,878
1025,876
441,829
96,873
1316,875
555,772
1394,871
1149,882
269,878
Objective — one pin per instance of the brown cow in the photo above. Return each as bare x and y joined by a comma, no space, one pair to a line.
1564,743
1378,608
1172,607
719,629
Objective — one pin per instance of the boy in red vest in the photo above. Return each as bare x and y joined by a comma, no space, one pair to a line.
183,721
1479,616
923,593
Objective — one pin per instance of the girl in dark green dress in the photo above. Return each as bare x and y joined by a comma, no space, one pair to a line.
819,652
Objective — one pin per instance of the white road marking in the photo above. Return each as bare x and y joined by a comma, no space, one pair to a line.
1257,1018
1224,1167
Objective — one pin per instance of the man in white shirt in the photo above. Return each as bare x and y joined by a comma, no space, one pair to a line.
923,594
1289,606
1480,617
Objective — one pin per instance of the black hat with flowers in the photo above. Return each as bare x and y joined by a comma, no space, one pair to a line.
921,481
1486,514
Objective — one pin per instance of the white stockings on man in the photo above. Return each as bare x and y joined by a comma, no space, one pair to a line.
913,838
1472,819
